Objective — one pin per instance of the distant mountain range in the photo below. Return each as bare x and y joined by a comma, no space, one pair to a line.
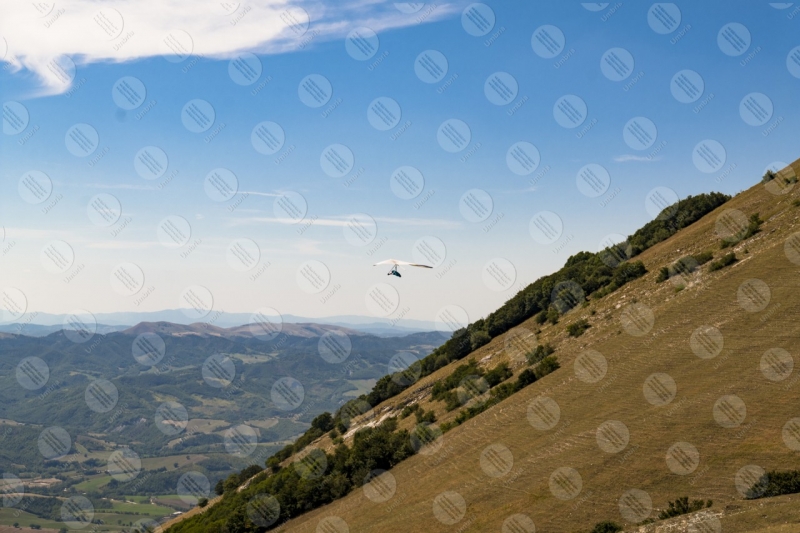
45,323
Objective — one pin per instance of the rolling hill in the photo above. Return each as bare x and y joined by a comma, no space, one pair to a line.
177,396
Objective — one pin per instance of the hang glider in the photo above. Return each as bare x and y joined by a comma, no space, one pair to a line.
397,263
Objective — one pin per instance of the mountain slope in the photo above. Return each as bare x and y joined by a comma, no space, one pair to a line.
561,466
572,442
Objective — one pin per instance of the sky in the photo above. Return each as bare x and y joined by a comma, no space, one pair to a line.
260,157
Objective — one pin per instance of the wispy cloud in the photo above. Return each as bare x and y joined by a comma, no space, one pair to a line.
258,193
49,234
435,222
628,158
126,186
345,220
51,39
123,245
309,247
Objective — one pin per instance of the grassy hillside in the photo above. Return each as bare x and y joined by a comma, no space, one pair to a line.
650,403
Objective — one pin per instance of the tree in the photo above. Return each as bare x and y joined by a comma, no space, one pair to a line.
548,365
323,422
231,483
478,339
526,377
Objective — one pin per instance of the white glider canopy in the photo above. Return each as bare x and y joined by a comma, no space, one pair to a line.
396,263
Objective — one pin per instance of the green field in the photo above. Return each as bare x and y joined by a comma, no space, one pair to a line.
145,508
115,521
138,499
93,483
9,516
251,359
171,500
168,462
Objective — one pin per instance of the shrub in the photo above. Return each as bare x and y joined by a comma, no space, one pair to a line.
775,483
796,203
722,262
627,272
703,257
454,380
753,227
769,175
541,316
684,265
451,401
408,410
423,417
682,506
552,315
606,527
501,392
504,390
202,502
539,353
576,329
478,339
548,365
323,422
526,377
231,483
498,374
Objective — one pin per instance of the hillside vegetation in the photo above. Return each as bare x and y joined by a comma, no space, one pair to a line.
680,392
345,449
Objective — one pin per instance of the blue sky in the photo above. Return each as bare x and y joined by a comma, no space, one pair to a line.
486,261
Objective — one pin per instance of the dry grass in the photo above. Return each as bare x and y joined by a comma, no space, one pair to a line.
711,299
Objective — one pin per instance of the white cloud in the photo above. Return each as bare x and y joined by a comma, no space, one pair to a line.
257,193
345,220
123,245
126,186
36,233
38,35
627,158
437,222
